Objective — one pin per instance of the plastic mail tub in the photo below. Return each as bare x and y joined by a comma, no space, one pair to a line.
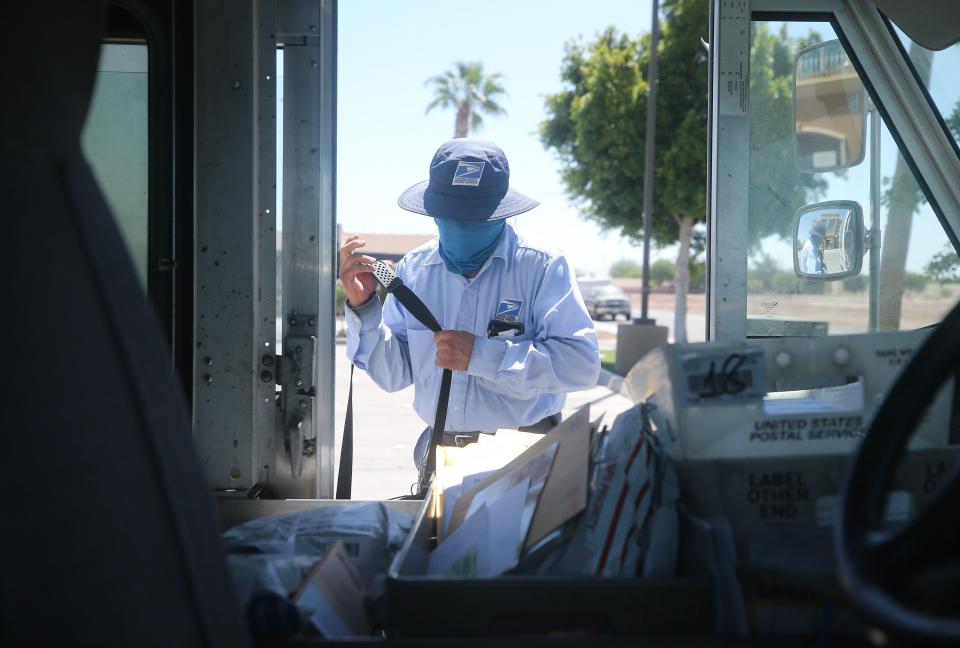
418,605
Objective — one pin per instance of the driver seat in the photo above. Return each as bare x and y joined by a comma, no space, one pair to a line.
109,534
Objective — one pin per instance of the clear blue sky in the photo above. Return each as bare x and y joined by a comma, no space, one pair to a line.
388,49
385,142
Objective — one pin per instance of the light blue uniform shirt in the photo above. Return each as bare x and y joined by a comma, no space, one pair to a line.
511,381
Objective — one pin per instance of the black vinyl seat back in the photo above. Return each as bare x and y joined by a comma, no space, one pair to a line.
108,535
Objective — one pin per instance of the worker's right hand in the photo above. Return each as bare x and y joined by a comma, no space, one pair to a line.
356,272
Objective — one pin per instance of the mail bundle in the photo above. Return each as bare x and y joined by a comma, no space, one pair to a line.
577,501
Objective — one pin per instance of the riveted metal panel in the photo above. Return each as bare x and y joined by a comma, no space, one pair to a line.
234,256
308,31
729,169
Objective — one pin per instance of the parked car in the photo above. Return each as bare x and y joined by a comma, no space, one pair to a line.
607,301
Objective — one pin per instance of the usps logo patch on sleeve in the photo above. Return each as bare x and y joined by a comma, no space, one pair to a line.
508,310
468,173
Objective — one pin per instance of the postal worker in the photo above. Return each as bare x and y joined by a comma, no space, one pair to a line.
811,256
516,333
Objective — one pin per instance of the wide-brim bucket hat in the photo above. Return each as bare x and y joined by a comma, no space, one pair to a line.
469,182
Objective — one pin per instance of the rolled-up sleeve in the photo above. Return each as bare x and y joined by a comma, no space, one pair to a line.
563,355
377,343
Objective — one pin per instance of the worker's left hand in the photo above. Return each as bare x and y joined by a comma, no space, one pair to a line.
454,349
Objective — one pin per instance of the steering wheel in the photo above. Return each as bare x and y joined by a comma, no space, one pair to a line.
873,562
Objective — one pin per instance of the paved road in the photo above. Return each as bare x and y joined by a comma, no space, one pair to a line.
386,429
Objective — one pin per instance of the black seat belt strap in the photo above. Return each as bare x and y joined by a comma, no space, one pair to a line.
389,280
345,478
439,422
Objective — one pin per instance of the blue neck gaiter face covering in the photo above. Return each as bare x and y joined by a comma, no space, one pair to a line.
465,246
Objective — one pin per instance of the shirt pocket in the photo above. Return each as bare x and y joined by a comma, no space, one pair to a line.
423,354
528,335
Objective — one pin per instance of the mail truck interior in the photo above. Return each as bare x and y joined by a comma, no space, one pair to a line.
171,378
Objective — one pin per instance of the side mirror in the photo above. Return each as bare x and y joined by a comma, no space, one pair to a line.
828,108
828,240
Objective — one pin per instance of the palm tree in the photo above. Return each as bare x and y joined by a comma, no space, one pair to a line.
466,88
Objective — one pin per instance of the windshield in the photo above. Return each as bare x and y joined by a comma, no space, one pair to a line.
937,71
813,198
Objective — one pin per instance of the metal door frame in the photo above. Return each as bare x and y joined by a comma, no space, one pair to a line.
307,30
238,419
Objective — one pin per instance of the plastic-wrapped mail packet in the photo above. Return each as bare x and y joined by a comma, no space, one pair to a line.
631,483
254,573
371,533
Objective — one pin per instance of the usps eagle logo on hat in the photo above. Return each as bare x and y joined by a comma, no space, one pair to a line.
468,173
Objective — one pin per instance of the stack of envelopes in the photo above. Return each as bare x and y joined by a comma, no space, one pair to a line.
501,498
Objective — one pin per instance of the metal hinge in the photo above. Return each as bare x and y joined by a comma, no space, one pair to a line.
298,384
298,23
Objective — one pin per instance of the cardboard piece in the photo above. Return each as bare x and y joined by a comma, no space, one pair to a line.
487,544
334,588
537,469
449,496
565,493
635,341
459,469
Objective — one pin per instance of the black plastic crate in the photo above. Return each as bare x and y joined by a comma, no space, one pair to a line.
418,605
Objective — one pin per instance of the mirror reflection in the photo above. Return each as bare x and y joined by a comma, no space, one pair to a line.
829,109
828,240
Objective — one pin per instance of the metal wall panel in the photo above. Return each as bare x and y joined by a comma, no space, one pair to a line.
265,224
307,30
326,292
235,297
729,169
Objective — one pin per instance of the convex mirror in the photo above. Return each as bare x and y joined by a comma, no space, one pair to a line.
828,240
828,106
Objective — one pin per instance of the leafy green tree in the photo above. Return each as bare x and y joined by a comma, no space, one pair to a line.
944,266
341,298
626,268
856,283
767,275
663,271
953,122
764,267
914,282
596,127
777,188
698,276
470,92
